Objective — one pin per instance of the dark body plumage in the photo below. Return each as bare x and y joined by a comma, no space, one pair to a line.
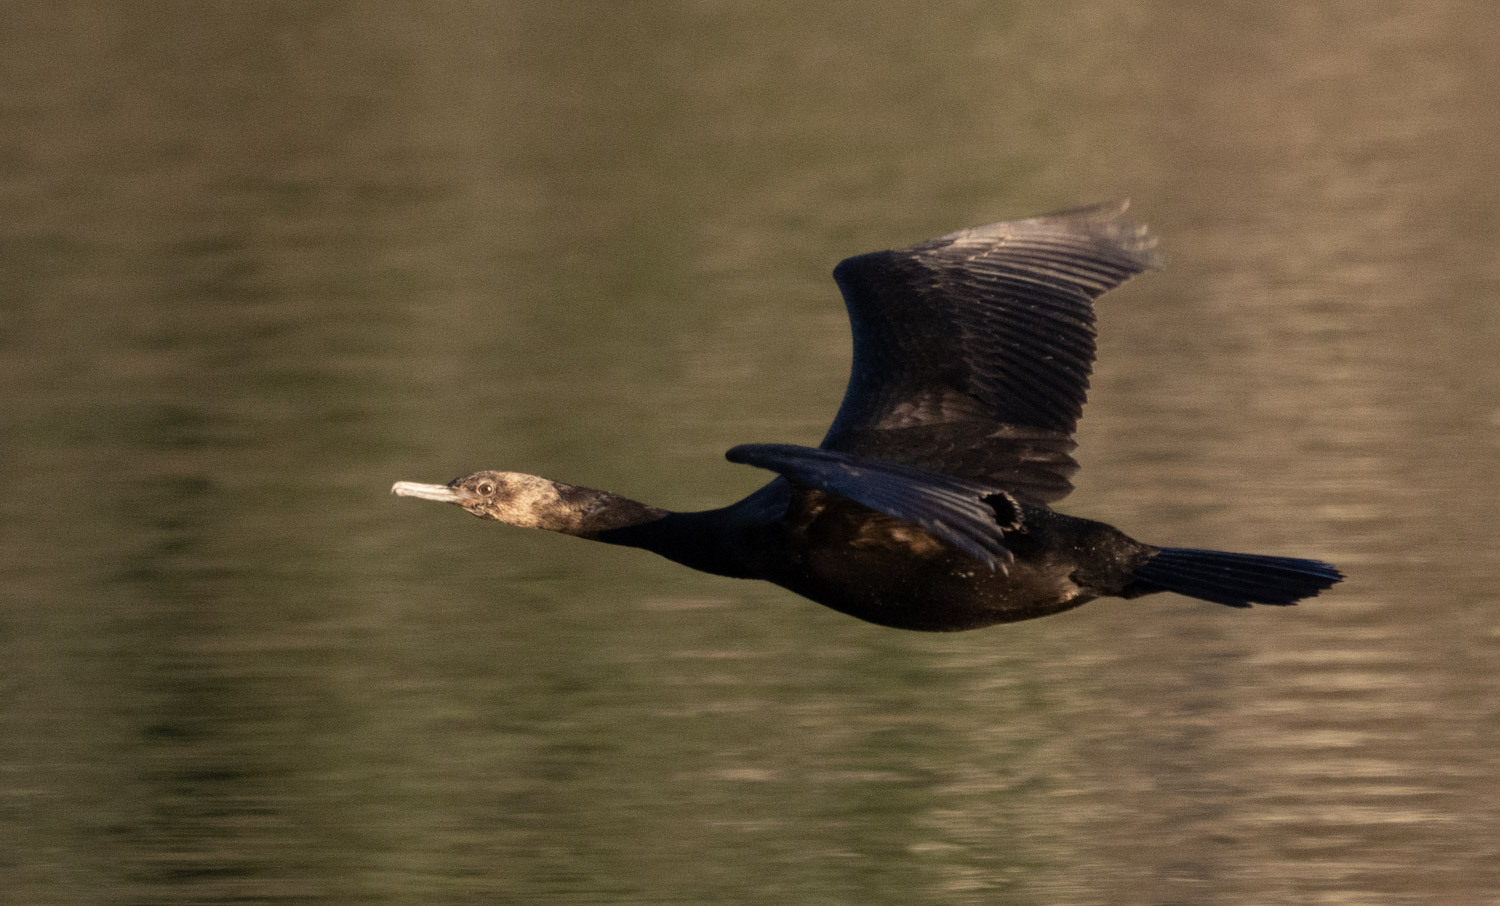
926,505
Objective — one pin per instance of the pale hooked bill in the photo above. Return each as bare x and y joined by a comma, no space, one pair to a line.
439,492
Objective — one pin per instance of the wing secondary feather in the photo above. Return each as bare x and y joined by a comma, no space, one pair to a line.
983,332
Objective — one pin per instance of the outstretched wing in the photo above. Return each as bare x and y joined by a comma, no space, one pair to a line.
966,514
972,352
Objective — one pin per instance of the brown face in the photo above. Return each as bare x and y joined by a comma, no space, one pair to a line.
476,493
511,497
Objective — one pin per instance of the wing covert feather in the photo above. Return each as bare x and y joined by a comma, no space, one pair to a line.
970,516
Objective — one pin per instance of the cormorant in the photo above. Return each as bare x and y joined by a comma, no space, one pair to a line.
927,504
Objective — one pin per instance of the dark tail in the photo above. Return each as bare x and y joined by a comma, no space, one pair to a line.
1237,580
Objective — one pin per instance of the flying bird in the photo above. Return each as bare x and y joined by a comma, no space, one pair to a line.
927,506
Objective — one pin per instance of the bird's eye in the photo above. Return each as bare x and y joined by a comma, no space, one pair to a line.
485,488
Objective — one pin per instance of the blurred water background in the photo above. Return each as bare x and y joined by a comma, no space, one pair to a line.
260,259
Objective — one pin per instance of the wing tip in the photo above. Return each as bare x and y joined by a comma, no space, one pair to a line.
756,454
1103,222
1106,220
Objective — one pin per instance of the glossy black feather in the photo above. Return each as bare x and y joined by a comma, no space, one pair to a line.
966,514
989,334
972,355
1237,580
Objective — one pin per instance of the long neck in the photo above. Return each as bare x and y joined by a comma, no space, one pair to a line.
702,541
591,514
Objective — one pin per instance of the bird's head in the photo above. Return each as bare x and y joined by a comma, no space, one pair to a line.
510,497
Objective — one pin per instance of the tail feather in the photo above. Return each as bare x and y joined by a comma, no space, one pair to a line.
1237,580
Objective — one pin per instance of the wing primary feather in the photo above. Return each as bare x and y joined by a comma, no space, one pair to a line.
989,326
